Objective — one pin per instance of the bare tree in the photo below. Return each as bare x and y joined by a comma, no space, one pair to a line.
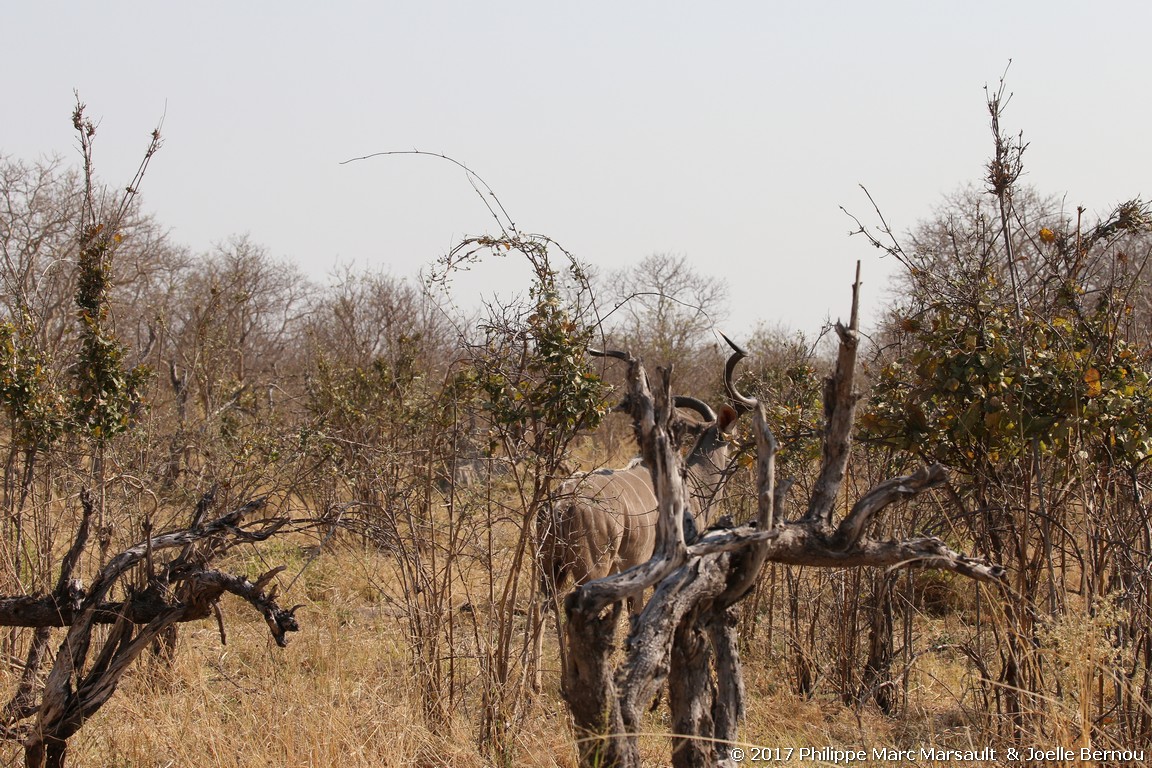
662,310
40,206
230,335
180,589
239,311
686,632
75,416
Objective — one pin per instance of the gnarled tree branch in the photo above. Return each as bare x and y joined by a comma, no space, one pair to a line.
182,589
686,631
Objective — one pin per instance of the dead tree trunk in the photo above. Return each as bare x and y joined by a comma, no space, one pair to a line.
878,681
183,588
686,632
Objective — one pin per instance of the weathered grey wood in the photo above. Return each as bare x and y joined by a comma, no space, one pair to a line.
728,710
691,693
648,646
839,415
855,523
182,589
593,610
686,633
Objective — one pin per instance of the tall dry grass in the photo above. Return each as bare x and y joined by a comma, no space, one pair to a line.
344,693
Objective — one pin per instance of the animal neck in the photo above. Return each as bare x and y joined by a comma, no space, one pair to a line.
706,476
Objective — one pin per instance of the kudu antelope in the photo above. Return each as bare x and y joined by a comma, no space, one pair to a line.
604,522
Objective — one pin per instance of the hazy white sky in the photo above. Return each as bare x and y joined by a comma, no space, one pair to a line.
728,132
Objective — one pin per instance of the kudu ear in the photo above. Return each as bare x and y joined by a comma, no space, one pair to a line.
726,419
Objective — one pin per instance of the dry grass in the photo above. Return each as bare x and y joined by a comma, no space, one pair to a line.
341,694
344,694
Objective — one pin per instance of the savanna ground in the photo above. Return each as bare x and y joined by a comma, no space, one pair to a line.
413,448
343,694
